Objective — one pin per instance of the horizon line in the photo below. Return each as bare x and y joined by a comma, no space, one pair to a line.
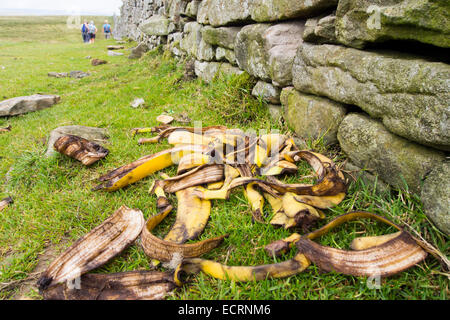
46,12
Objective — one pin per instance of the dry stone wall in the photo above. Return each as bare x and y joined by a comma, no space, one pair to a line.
360,73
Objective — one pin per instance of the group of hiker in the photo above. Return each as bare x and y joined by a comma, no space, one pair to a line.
89,31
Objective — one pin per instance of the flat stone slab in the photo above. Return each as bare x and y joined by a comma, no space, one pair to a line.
79,74
369,145
138,51
234,12
267,92
409,94
267,51
223,54
207,71
58,74
156,25
436,196
72,74
321,30
114,54
222,37
194,44
225,12
115,47
97,135
359,22
312,117
275,10
192,9
21,105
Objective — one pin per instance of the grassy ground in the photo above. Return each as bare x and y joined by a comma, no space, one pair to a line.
54,204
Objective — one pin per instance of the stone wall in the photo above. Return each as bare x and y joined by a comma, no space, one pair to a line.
369,75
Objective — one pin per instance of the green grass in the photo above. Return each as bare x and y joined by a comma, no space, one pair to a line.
54,204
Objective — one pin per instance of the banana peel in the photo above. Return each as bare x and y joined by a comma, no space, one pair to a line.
5,202
288,213
96,248
210,137
139,169
331,180
157,188
256,201
135,285
280,247
157,129
225,191
7,129
164,132
242,273
191,161
363,243
267,145
78,148
324,202
192,217
165,119
215,185
221,193
165,251
293,213
201,175
278,167
384,259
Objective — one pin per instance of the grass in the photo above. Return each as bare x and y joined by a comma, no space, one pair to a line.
54,204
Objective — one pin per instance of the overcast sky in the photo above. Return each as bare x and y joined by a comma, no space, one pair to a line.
68,6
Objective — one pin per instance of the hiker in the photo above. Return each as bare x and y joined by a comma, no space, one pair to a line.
107,30
84,32
92,29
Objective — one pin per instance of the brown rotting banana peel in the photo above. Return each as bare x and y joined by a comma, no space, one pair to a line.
95,248
134,285
83,150
389,258
164,251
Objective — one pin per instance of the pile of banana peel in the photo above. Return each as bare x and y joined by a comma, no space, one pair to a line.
212,162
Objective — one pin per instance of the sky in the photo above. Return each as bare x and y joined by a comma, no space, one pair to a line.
107,7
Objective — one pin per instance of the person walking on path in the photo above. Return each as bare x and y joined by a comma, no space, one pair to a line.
107,30
92,32
84,32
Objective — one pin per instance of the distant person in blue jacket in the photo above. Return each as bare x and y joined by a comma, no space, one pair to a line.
85,32
107,30
92,29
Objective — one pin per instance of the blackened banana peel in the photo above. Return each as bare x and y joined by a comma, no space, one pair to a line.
78,148
135,285
95,248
